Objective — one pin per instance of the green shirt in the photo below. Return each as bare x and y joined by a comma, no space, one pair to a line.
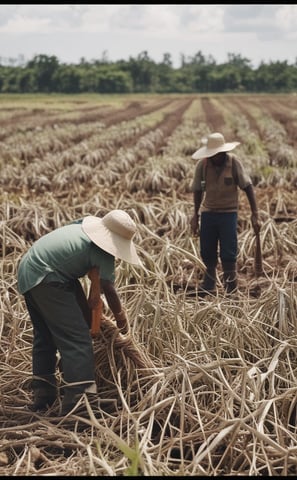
64,254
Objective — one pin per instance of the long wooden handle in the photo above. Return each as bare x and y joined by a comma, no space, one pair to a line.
258,257
95,292
96,319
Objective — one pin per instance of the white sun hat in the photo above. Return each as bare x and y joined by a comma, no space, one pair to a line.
113,233
212,145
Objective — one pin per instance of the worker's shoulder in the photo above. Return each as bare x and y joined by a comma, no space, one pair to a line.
235,161
76,221
200,161
233,157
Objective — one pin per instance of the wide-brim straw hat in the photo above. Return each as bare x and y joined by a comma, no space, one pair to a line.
113,233
214,144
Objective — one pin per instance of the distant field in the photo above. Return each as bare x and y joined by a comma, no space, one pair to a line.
221,397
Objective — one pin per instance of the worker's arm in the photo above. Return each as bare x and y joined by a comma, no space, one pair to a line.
249,190
115,305
197,197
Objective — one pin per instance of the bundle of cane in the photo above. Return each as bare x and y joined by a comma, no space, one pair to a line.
112,349
115,352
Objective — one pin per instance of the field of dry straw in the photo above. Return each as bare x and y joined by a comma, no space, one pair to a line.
220,391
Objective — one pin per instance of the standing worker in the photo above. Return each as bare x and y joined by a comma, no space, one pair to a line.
218,175
48,277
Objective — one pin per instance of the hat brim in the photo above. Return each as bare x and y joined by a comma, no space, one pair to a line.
205,152
110,242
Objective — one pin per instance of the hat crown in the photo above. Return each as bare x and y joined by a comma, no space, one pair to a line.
215,140
213,144
119,222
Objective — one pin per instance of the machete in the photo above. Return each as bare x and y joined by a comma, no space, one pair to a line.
258,257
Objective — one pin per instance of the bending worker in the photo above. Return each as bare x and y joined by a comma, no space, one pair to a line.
48,277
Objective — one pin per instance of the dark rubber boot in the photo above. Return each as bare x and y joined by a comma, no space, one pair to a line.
209,282
44,392
230,277
70,400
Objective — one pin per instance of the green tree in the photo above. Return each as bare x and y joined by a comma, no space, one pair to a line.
67,79
44,68
26,81
10,80
164,75
143,73
111,80
197,73
182,81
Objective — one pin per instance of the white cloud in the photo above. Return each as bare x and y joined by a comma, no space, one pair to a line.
22,24
258,32
287,18
145,18
164,20
201,19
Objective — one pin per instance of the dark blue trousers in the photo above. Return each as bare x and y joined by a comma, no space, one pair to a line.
218,237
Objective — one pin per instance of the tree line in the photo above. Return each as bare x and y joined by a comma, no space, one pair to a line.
196,74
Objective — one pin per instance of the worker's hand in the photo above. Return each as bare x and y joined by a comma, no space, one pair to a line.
255,222
122,321
195,227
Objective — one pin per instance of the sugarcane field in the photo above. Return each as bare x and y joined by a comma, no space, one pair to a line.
199,386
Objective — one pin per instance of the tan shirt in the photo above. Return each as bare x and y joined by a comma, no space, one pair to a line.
221,184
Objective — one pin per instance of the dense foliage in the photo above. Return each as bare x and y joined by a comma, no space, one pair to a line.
197,74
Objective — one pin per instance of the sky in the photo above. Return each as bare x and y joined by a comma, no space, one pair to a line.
259,33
